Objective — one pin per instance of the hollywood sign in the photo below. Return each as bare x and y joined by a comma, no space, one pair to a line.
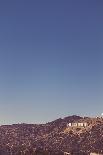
66,153
77,124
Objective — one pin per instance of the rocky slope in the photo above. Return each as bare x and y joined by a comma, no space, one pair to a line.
52,138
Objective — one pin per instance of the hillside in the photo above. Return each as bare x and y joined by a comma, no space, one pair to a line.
53,138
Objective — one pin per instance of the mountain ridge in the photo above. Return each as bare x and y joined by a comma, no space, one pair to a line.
54,137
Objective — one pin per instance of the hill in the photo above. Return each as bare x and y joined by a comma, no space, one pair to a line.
53,138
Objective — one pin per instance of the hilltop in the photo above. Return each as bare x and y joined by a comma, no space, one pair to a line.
53,138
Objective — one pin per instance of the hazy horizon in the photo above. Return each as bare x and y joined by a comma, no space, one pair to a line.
51,60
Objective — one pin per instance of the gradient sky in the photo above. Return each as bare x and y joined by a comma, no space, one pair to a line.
51,61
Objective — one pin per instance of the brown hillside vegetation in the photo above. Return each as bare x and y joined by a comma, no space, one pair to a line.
53,138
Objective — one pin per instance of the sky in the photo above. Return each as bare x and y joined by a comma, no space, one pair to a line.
51,59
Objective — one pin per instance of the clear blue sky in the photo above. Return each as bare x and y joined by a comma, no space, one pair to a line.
51,61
